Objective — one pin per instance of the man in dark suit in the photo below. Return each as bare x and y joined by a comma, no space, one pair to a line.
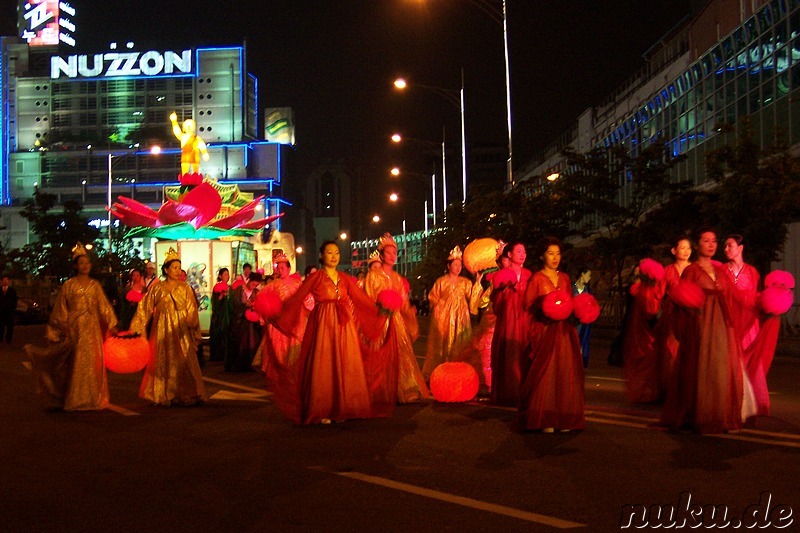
8,306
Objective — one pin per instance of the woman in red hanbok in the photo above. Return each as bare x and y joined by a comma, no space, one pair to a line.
639,359
710,392
510,339
552,395
745,316
327,381
667,326
402,329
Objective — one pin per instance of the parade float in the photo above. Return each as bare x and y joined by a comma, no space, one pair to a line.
209,223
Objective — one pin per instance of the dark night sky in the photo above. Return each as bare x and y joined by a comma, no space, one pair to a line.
333,62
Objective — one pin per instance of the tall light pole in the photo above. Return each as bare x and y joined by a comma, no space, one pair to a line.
397,138
458,101
111,157
423,177
501,18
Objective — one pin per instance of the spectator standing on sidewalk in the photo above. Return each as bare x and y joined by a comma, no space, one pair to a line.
8,306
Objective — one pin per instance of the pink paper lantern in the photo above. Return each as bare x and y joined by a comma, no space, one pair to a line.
454,382
776,301
651,269
390,300
779,278
126,355
252,316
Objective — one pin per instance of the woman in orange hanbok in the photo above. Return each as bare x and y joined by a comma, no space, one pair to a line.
327,381
551,395
402,329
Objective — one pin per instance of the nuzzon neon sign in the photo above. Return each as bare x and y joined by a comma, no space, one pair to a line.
121,64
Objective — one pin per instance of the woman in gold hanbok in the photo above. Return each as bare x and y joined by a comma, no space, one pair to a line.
70,371
450,327
173,374
410,381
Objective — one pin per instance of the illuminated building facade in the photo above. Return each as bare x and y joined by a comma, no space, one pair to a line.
730,60
81,126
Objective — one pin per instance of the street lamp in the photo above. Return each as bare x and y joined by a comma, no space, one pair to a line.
397,172
449,95
397,138
111,157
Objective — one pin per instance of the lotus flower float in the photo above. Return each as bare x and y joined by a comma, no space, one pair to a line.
198,208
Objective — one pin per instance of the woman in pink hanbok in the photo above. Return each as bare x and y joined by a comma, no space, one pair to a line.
745,316
709,392
509,361
552,395
402,328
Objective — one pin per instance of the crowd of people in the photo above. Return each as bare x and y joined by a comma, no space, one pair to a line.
334,347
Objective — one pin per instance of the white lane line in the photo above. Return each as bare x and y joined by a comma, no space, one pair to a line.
787,444
463,501
122,411
616,423
601,378
260,392
239,396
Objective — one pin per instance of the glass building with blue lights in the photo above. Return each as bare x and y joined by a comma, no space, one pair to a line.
728,61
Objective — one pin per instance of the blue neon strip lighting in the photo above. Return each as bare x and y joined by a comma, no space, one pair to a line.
255,101
4,130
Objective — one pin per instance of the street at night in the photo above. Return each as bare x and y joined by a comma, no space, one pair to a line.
236,464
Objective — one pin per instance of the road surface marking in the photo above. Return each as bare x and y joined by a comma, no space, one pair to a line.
239,396
122,411
260,392
752,439
616,423
604,379
461,500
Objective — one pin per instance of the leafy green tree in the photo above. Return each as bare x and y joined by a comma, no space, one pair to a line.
57,233
758,195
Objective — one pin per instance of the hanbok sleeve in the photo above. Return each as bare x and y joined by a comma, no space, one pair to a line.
106,311
435,294
58,325
370,321
479,297
145,310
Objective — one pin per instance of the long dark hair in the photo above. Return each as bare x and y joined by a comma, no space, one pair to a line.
545,243
323,246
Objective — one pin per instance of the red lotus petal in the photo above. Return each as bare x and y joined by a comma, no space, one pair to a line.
172,212
133,219
207,201
260,223
137,207
244,214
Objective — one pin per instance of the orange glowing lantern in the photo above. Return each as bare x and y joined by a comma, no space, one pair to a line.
481,254
126,354
454,382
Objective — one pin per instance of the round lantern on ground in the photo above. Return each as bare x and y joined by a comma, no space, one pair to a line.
454,382
126,354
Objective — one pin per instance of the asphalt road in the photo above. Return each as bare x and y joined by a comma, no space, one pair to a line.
235,464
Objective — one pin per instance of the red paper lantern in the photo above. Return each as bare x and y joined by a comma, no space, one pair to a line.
126,355
252,316
454,382
268,303
688,294
557,304
390,300
586,308
133,296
